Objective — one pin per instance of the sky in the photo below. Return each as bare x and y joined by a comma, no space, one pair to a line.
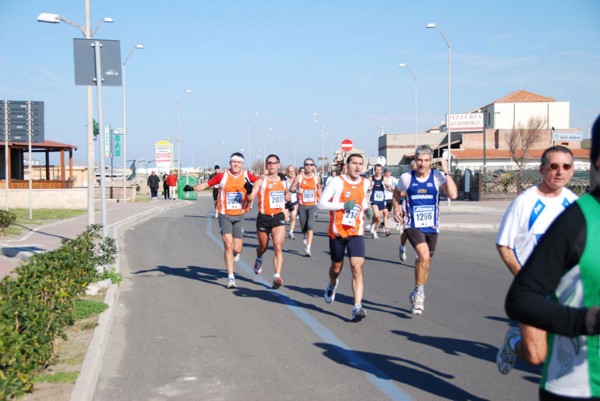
287,60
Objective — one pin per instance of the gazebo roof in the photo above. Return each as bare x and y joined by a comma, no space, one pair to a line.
46,145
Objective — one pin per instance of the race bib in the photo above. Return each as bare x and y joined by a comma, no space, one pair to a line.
234,200
423,216
378,196
276,199
308,196
350,216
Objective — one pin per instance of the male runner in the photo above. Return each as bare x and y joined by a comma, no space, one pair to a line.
346,199
215,191
272,196
293,210
308,188
234,185
377,199
422,187
525,221
558,290
389,183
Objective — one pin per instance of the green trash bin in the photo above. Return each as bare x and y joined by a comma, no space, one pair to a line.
182,182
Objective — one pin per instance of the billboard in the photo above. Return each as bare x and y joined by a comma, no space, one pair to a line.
469,122
164,155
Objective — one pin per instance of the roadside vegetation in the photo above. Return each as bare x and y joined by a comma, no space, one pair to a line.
16,221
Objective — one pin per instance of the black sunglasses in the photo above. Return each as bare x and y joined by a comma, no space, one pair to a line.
309,164
555,166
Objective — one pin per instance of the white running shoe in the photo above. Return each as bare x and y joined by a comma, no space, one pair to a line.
417,302
216,214
358,313
257,266
375,236
305,240
236,257
329,294
506,357
307,253
291,236
231,283
403,254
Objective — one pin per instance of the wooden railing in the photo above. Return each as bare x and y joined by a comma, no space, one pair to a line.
39,184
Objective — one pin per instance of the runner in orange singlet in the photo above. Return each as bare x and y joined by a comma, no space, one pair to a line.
234,185
272,196
308,187
345,197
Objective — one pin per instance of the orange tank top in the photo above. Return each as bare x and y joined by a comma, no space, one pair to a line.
309,185
348,223
232,194
271,196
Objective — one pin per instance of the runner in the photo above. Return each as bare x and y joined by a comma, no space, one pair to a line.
234,185
422,187
389,183
558,290
525,221
215,191
377,199
308,188
292,211
346,199
270,222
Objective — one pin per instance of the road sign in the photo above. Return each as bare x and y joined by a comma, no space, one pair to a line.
119,131
21,118
347,145
117,146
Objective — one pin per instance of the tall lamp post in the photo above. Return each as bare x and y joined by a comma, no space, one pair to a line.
134,47
87,32
250,140
320,122
415,97
436,26
178,141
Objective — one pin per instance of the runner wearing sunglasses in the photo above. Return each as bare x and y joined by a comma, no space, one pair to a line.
308,187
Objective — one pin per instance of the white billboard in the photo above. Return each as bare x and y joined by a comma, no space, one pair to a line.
164,155
470,122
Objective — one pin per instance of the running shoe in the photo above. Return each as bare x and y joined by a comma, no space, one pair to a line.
417,302
291,236
329,294
358,313
307,253
231,283
386,231
374,234
304,240
257,266
236,257
506,357
277,282
403,254
216,214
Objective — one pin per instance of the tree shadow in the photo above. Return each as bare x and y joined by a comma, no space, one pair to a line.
387,367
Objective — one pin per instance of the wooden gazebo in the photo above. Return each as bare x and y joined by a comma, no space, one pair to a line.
16,166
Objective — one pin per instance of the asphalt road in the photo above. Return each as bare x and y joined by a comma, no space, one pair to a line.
179,334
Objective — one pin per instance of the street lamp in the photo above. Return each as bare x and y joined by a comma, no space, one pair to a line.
320,122
134,47
415,97
86,30
178,148
250,140
436,26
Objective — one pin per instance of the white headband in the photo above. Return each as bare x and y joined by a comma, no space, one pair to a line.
236,158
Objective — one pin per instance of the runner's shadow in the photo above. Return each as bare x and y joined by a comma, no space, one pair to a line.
209,275
387,367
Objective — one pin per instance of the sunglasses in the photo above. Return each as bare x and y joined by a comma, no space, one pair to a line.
555,166
309,164
272,162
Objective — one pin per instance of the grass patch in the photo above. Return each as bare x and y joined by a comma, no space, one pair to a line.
58,377
85,308
39,217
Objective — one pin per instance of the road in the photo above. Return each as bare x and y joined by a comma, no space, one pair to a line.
178,334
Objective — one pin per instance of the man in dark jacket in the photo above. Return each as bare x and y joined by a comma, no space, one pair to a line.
153,183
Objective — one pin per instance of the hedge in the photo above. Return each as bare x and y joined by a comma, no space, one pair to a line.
37,305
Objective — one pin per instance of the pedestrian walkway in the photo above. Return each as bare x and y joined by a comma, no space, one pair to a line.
472,215
46,238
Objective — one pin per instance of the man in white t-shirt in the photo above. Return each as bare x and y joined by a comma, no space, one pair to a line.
525,221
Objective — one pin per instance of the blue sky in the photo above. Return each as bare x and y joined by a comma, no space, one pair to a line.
289,59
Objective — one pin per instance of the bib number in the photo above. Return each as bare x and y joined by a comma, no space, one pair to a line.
276,199
234,201
378,196
350,216
423,216
308,196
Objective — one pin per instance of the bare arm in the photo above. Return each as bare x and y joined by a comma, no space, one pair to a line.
255,190
397,207
508,257
450,186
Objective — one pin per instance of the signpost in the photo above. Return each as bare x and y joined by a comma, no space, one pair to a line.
347,145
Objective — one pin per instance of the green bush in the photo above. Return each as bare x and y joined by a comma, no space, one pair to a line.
38,303
6,219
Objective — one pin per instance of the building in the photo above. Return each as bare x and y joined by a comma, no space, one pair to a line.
519,113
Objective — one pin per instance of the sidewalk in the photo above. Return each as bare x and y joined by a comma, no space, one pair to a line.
48,237
472,215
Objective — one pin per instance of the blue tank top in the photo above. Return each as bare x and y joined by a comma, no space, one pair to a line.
422,201
378,191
